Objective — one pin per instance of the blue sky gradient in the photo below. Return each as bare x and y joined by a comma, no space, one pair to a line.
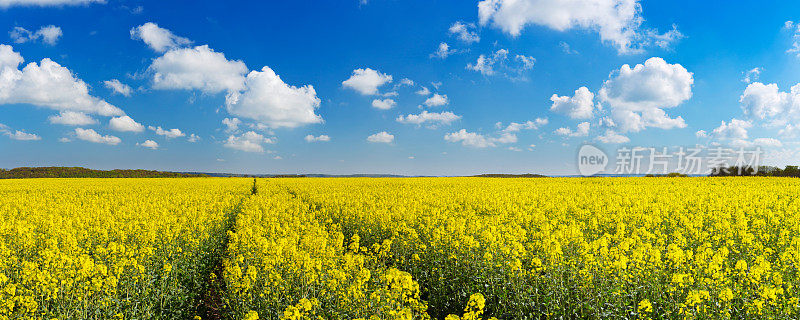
321,43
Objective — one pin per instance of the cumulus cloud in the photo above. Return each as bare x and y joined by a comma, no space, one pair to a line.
257,95
249,142
383,104
485,64
21,135
193,138
366,81
582,130
199,68
751,75
169,134
734,130
477,140
271,101
464,32
92,136
231,124
527,125
150,144
579,106
48,85
499,62
423,92
767,142
72,118
638,96
125,124
47,34
157,38
118,87
735,134
431,119
443,51
45,3
381,137
320,138
612,137
617,21
767,102
436,100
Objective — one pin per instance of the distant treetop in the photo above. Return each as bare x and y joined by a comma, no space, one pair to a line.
79,172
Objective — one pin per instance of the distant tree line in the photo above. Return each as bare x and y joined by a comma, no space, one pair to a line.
78,172
668,175
765,171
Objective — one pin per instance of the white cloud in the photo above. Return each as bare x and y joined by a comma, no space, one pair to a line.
22,136
271,101
157,38
249,142
47,34
526,62
767,102
752,75
734,130
193,138
795,29
406,82
477,140
72,118
443,51
125,124
231,124
499,62
148,144
485,65
612,137
527,125
366,81
320,138
118,87
701,134
566,48
46,3
384,104
581,130
767,142
169,134
616,21
432,119
46,84
437,100
381,137
423,92
638,95
470,139
464,31
198,68
579,106
92,136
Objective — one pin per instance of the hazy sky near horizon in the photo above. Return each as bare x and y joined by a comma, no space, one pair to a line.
389,86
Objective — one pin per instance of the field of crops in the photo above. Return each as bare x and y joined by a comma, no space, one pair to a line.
400,248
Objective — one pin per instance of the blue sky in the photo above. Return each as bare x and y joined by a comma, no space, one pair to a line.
304,85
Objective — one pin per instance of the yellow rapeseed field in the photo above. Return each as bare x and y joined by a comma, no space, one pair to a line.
401,248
